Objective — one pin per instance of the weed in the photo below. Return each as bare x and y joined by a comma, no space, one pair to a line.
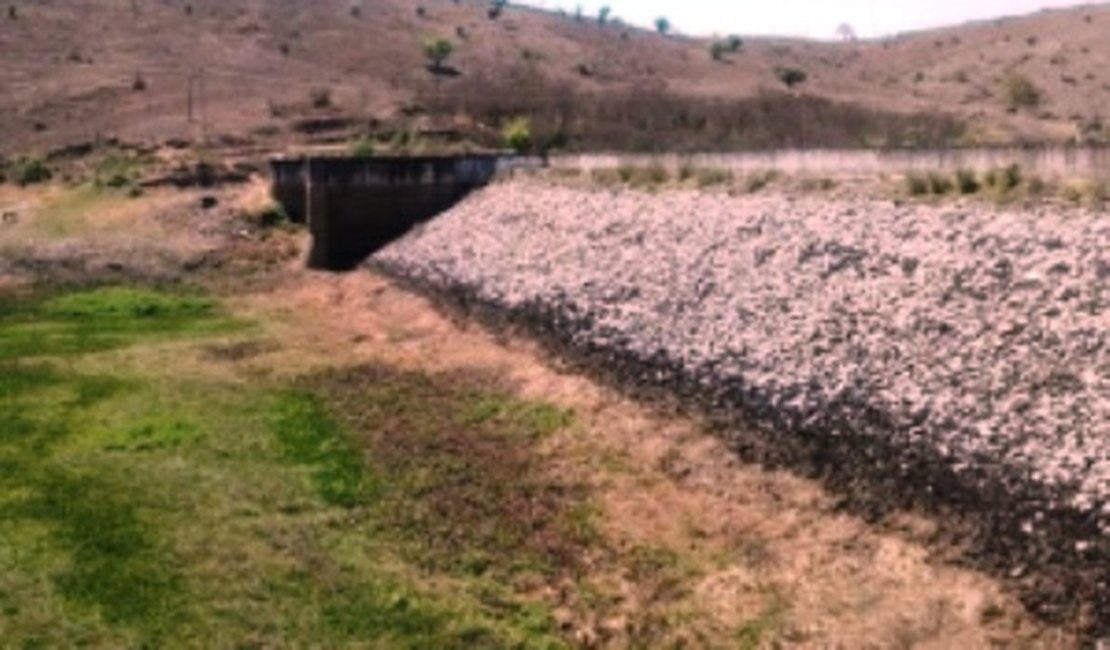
363,148
273,215
117,171
29,171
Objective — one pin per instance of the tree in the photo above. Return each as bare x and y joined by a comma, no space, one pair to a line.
662,25
846,33
603,14
734,43
518,134
1021,92
437,51
717,50
791,76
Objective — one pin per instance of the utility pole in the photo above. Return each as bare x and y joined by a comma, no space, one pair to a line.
196,106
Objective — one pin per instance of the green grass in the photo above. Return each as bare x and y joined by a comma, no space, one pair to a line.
147,503
103,319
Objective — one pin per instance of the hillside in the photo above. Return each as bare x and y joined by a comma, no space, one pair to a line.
280,71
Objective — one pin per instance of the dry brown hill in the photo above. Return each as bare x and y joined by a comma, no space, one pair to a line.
272,70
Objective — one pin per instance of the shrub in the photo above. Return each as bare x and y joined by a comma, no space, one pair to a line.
1004,179
363,148
917,185
603,176
643,176
437,51
320,97
650,176
603,14
717,50
495,8
966,181
272,216
791,76
138,84
759,180
518,134
939,184
29,171
734,43
662,25
1037,185
709,176
1021,92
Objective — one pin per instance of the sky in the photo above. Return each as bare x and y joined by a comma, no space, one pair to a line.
808,18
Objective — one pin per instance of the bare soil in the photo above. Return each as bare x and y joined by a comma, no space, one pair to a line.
287,71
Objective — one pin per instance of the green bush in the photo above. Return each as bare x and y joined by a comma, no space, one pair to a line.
437,51
28,171
518,134
791,76
364,148
662,25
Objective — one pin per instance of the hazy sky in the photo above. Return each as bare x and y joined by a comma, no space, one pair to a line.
812,18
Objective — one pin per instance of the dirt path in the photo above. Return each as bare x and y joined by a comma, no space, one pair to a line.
734,555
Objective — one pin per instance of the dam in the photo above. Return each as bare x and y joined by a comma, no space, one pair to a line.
354,206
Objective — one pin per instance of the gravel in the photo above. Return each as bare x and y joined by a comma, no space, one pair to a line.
974,336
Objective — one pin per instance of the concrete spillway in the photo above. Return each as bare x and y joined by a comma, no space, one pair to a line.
354,206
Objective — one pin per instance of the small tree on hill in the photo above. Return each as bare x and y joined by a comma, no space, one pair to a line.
734,43
791,76
717,50
1021,92
437,51
662,25
603,14
518,134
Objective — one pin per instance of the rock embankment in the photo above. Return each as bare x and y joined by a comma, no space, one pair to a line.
954,356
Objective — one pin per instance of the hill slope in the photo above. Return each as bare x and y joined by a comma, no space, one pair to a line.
77,69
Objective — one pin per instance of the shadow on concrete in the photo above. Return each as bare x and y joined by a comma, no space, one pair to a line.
355,207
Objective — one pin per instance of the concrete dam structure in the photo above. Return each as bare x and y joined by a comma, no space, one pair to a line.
354,206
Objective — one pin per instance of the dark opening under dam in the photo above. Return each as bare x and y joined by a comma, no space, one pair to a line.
355,206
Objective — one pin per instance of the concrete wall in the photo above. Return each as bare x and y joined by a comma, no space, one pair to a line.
355,206
1064,162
